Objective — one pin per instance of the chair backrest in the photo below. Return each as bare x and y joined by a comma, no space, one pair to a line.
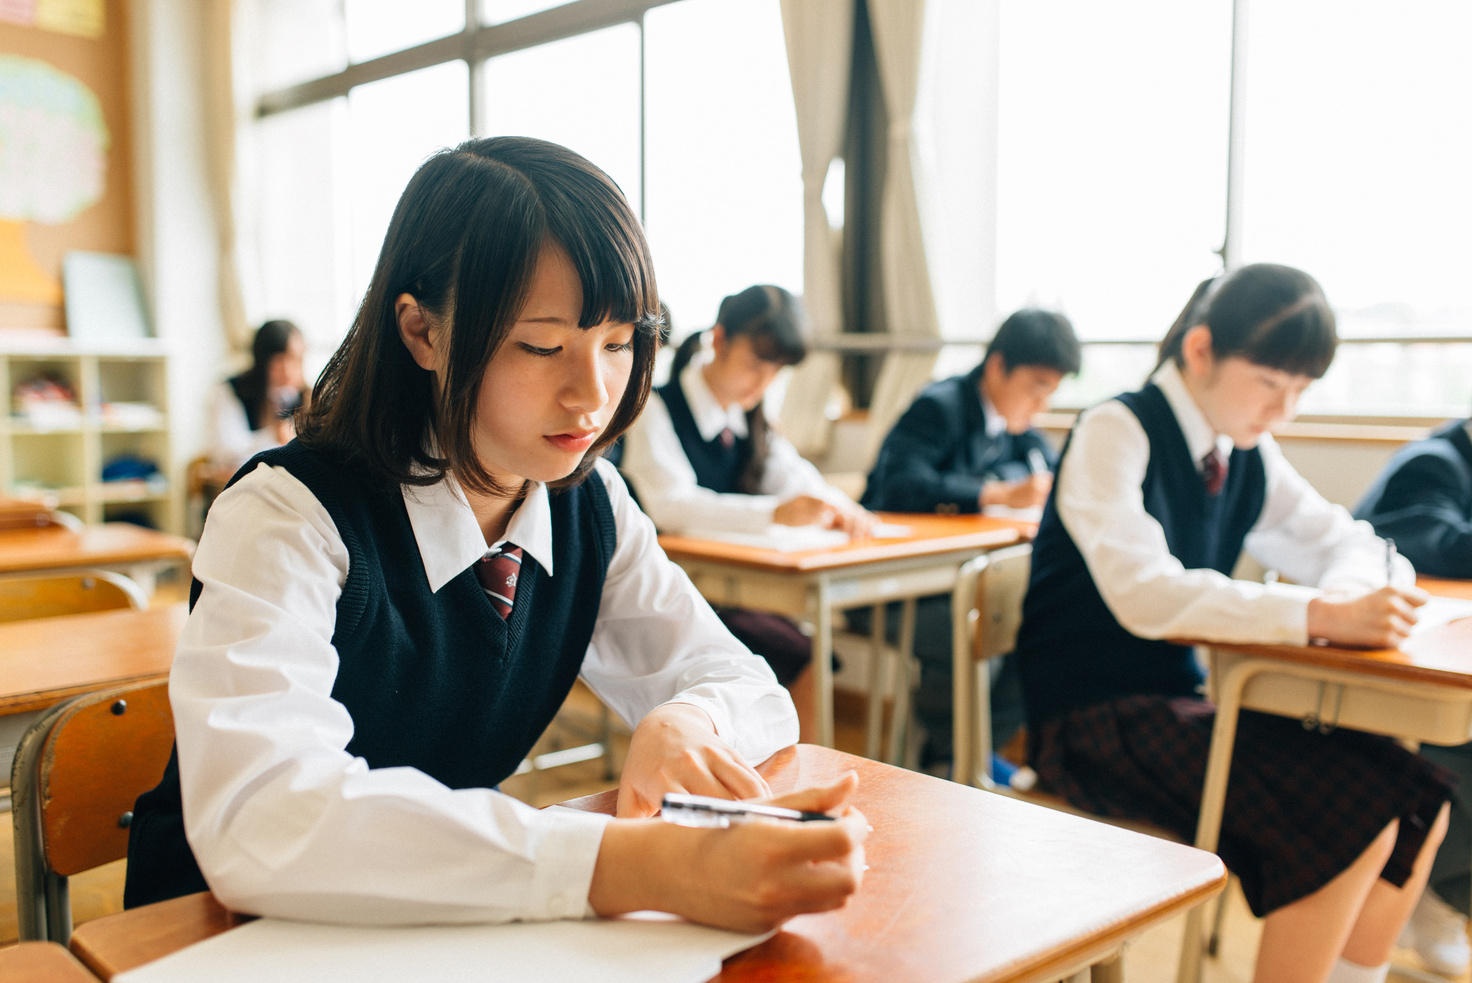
20,513
45,595
76,775
1000,588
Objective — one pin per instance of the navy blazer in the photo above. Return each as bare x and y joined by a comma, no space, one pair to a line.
938,455
1423,500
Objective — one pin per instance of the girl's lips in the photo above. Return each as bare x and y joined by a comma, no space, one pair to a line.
574,441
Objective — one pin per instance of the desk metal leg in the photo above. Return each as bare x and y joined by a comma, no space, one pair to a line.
1213,801
899,725
873,733
823,662
1109,970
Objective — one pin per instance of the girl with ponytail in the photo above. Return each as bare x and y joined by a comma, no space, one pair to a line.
704,457
1158,493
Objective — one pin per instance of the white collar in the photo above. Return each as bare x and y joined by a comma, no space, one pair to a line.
996,423
449,536
710,416
1201,439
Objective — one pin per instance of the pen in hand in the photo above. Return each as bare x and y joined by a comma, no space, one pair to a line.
683,809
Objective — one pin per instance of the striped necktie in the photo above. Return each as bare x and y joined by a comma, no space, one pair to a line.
1214,471
497,572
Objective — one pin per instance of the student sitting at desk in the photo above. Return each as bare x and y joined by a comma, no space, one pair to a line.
1423,501
253,411
965,443
703,457
389,610
1158,492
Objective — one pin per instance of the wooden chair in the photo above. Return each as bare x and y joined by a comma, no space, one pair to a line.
76,775
20,513
986,606
45,595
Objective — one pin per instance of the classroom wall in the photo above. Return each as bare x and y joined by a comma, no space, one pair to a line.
178,248
102,65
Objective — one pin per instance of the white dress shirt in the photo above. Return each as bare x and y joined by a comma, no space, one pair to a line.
284,822
232,439
655,464
1151,594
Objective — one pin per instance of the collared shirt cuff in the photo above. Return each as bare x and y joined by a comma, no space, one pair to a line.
1285,614
565,860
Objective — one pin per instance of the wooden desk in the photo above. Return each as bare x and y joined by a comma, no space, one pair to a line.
1421,691
41,962
813,584
46,660
141,553
963,884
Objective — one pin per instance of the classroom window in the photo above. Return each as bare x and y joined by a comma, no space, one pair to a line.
581,92
724,176
687,105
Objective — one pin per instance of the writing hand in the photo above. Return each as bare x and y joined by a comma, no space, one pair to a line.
675,748
1377,619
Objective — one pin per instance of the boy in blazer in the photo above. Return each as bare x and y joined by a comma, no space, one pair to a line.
965,443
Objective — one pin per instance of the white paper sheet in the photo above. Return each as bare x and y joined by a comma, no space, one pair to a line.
1441,611
791,539
645,948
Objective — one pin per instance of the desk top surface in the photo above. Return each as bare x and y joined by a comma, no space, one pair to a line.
1442,655
963,884
41,962
107,544
45,660
930,535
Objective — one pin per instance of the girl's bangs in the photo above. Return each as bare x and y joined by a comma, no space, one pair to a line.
1302,341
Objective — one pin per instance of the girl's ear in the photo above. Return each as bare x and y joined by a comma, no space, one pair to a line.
414,329
718,340
1196,351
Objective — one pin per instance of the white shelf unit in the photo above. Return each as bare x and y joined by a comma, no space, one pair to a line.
61,461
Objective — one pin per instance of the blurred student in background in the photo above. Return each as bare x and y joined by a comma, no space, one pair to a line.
703,456
253,411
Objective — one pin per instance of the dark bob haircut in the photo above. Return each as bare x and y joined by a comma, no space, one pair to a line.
1273,316
464,241
1033,336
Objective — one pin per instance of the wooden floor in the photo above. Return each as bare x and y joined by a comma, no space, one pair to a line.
1150,959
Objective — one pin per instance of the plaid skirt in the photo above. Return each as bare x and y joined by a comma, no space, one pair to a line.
1301,806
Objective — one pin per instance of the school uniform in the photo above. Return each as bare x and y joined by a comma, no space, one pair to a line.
1423,500
684,457
347,695
937,457
945,447
1136,545
234,436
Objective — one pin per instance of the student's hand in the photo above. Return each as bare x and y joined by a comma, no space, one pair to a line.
809,510
751,877
1025,493
1379,619
804,510
675,748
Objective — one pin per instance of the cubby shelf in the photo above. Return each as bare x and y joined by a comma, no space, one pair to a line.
61,460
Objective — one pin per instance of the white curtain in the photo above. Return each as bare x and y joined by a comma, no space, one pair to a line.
223,115
819,37
899,27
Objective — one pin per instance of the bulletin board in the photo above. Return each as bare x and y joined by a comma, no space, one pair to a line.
68,184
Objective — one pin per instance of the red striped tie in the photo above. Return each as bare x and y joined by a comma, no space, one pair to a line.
1214,471
497,572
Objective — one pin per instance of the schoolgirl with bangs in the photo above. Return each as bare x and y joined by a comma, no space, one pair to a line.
388,611
1158,492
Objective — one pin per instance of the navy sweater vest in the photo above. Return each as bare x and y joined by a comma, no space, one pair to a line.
433,681
717,466
1071,651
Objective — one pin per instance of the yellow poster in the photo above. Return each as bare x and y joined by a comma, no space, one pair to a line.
83,18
